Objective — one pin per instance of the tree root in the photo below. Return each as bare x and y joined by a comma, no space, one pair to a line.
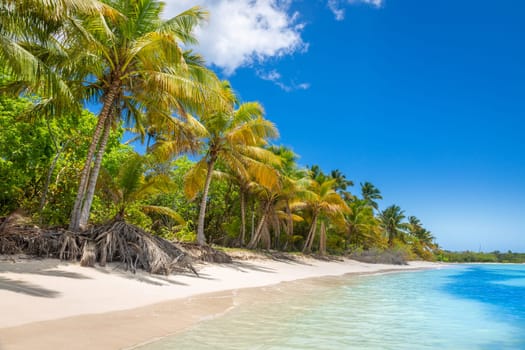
116,241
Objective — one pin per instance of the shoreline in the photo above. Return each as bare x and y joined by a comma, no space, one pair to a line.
101,308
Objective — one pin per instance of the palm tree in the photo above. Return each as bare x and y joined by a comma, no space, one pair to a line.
392,222
247,186
268,197
293,190
370,193
416,229
235,137
323,202
341,184
30,43
363,227
137,71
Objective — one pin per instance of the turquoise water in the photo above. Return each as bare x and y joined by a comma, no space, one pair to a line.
464,307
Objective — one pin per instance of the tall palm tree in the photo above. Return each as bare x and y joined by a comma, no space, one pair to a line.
370,193
323,202
392,221
235,137
138,71
247,185
293,190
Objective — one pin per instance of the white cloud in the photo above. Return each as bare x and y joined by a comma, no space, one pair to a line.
242,32
336,6
276,78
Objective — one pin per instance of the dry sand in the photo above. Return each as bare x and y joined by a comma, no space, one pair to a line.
48,304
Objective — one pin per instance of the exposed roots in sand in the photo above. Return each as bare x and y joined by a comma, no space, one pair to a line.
116,241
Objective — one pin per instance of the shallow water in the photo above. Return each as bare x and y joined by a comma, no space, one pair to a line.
464,307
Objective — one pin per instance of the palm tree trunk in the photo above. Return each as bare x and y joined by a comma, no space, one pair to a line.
76,213
252,228
322,239
311,234
93,176
289,226
243,217
257,235
201,239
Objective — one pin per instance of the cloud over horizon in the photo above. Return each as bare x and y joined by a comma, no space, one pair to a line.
240,33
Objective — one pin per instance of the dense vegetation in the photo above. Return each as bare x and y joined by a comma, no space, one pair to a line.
493,257
211,171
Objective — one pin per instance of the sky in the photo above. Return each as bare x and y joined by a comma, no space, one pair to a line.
425,99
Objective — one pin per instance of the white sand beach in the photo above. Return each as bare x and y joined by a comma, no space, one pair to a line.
49,304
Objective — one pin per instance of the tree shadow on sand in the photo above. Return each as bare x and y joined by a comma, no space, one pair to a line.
33,267
44,267
26,288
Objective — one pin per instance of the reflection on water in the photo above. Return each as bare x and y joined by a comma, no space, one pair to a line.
445,309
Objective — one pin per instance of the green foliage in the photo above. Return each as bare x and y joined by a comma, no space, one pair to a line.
28,148
471,257
187,233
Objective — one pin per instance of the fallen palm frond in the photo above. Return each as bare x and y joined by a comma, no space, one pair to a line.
205,253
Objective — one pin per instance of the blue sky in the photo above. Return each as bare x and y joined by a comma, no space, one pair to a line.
425,99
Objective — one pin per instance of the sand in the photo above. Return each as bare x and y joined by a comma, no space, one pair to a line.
49,304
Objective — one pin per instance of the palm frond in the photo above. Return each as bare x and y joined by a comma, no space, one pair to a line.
195,178
154,209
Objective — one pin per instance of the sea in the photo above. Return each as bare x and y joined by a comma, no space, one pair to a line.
459,307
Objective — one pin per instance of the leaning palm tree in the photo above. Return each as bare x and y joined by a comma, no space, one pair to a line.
139,72
392,222
235,137
323,203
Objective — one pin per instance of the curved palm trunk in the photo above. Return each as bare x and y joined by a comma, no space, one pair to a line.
311,234
266,239
201,239
289,226
243,217
76,213
93,176
322,239
256,237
